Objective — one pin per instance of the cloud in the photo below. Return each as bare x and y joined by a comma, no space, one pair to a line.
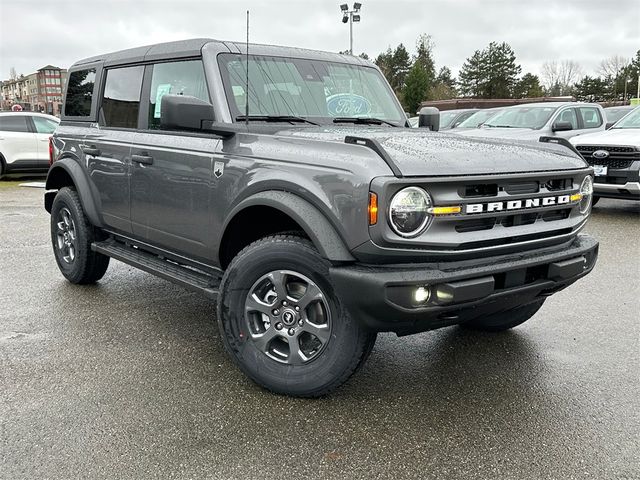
36,33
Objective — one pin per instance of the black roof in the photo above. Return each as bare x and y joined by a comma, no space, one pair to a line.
193,48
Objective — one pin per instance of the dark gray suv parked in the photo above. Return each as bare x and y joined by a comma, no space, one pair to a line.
285,184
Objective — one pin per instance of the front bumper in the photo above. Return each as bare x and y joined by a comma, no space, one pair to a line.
382,296
628,190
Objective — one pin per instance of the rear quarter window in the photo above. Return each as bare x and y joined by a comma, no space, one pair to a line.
80,93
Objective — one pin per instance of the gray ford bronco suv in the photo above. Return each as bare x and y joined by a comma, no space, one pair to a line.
285,184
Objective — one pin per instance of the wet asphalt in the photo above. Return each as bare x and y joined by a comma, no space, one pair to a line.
128,379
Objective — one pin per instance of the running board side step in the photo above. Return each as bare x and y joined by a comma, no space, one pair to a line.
187,277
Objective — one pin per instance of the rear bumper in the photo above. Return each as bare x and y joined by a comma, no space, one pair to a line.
382,297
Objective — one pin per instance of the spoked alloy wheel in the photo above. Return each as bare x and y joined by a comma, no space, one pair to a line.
282,322
71,237
66,236
288,317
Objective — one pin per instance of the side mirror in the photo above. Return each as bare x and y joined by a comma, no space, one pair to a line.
561,127
184,112
609,125
429,117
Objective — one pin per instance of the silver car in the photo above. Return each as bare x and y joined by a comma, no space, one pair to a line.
534,120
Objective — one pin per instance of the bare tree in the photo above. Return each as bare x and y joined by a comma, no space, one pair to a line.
549,74
558,77
12,73
570,71
611,67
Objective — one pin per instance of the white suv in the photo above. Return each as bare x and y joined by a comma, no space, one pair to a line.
24,141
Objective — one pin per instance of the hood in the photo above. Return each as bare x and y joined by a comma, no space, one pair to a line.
615,136
418,152
506,133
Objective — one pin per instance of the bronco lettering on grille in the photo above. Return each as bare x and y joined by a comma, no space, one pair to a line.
517,204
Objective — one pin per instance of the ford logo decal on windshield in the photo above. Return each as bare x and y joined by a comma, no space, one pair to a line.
348,105
600,154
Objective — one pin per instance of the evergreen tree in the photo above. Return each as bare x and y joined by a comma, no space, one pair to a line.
490,73
401,64
528,86
416,88
445,85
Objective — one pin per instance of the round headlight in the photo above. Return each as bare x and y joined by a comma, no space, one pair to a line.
408,213
586,190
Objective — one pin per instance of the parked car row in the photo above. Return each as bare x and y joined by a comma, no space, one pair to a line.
607,138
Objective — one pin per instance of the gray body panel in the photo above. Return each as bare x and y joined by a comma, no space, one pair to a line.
177,203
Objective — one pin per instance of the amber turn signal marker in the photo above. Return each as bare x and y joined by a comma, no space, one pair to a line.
576,196
445,210
373,208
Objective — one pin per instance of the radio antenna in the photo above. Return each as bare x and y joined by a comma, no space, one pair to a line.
246,95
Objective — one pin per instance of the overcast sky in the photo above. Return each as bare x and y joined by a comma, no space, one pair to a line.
59,32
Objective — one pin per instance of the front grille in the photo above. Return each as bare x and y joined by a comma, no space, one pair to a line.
503,211
620,157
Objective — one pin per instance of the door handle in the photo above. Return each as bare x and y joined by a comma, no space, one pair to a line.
142,158
92,150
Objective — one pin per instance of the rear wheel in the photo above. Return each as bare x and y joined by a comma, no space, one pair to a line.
71,237
501,321
282,323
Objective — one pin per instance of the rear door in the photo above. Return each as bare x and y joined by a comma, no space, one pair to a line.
107,146
18,144
44,128
590,119
171,172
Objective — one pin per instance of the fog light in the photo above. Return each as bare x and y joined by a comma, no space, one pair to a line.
421,295
443,295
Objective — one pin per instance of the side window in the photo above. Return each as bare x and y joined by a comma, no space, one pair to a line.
177,78
591,117
13,123
79,93
44,125
121,99
568,115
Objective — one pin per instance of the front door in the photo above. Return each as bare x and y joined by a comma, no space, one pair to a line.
18,144
172,172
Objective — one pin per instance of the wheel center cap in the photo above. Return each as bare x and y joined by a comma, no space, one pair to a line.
288,317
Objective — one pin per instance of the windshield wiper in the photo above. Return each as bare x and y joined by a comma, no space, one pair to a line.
498,126
364,121
274,118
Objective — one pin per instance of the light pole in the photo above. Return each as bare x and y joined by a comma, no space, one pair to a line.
350,16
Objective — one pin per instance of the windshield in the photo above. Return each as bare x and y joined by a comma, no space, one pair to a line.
318,90
478,118
630,121
522,117
446,119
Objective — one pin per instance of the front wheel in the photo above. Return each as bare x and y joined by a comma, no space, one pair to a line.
595,200
501,321
71,237
282,323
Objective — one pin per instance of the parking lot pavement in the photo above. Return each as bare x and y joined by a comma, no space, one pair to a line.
128,379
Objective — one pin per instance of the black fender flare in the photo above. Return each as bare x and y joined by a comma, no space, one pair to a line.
80,182
314,223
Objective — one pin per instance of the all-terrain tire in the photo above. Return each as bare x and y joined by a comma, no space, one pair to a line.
346,344
501,321
73,254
